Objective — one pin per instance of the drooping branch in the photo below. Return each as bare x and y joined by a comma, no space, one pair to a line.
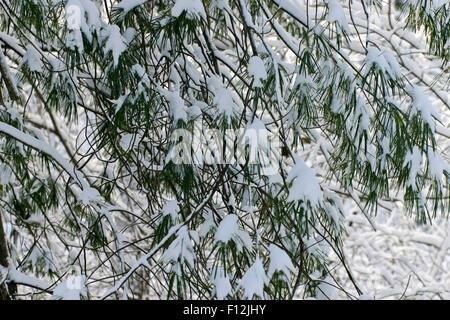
7,78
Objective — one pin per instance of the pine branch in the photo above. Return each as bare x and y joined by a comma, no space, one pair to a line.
7,78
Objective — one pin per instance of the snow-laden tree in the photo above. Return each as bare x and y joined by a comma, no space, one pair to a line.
212,149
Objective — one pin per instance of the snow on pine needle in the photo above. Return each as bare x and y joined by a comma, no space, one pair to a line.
229,229
305,186
221,283
257,70
254,280
279,262
115,43
181,249
192,8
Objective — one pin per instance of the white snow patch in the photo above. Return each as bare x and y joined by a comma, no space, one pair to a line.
6,174
221,283
37,219
437,165
223,98
220,4
421,104
254,280
279,261
171,208
193,8
126,141
181,248
33,59
228,229
81,16
305,185
177,106
257,70
326,290
73,288
21,278
293,7
384,62
128,5
115,43
414,159
90,196
336,14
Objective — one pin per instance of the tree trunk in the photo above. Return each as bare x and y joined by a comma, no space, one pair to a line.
4,262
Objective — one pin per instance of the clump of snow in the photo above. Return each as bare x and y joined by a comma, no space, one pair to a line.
171,209
177,106
207,225
254,280
394,68
73,288
305,186
421,104
220,4
129,35
222,286
74,41
194,8
225,104
223,99
360,120
181,248
293,7
81,16
20,278
256,135
384,62
336,106
91,11
437,165
336,14
257,70
228,229
347,72
384,143
120,101
414,159
33,59
126,141
305,83
128,5
36,219
115,43
279,261
194,111
90,196
6,174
